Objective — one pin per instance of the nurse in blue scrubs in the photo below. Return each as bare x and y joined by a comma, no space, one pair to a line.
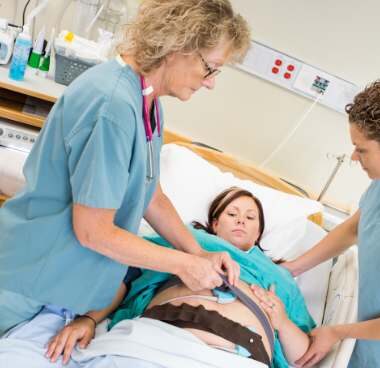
363,229
67,239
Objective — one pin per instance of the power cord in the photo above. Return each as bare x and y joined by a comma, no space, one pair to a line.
14,25
286,139
23,13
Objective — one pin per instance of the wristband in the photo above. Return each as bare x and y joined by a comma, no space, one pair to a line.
89,317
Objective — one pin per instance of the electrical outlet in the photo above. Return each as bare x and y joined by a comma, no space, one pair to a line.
282,68
273,65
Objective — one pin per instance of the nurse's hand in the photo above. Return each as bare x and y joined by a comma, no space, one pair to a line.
80,331
203,271
322,341
224,264
292,267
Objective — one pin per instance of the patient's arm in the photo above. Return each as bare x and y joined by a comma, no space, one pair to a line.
293,340
81,330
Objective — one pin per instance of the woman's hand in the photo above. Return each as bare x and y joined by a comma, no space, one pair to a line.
272,305
223,263
322,341
80,331
292,267
203,271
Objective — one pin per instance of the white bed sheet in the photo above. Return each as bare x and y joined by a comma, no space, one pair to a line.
314,283
331,293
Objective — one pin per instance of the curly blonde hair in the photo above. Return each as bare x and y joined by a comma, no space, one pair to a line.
364,112
162,27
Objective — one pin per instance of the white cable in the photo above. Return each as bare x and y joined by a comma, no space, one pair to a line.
41,5
206,297
89,27
286,139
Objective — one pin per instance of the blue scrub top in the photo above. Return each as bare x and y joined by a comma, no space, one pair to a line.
92,151
367,353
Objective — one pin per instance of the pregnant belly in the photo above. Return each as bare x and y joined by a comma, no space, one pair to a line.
235,311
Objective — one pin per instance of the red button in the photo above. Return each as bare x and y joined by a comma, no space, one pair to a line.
287,75
290,67
275,70
278,62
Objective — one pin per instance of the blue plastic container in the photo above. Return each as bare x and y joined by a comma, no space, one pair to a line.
20,56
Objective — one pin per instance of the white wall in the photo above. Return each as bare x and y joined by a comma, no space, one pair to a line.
61,14
248,117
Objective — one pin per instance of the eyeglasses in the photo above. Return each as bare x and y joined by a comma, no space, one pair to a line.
211,72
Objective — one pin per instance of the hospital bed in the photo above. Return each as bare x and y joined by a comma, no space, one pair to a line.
192,174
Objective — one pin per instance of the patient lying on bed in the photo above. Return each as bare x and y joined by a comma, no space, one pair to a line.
218,317
267,326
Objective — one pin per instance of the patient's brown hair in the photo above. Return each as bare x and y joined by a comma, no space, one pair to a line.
364,112
219,204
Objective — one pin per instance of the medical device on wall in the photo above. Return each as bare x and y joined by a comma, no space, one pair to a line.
7,39
298,76
16,136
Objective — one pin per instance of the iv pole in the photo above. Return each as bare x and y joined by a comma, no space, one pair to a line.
340,160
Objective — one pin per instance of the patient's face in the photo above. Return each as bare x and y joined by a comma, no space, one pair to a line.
239,223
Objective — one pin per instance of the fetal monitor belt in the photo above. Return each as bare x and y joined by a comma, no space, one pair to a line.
244,298
187,316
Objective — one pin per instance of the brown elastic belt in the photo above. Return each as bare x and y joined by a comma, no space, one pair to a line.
244,298
187,316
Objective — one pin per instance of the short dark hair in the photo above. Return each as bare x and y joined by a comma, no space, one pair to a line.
219,204
364,112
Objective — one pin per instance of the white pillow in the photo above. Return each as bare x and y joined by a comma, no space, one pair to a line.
192,183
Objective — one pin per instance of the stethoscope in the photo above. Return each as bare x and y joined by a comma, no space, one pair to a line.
150,170
146,91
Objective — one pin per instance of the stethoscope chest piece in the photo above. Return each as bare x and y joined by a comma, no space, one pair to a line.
150,170
150,165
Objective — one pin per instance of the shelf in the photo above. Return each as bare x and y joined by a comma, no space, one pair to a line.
41,88
19,117
23,109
